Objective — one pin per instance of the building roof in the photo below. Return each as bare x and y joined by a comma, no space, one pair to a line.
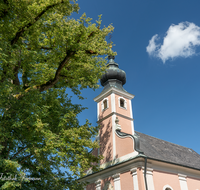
165,151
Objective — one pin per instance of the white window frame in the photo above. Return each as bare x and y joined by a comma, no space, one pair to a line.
102,104
125,103
167,186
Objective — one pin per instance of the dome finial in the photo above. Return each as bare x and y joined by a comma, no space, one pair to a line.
113,73
111,58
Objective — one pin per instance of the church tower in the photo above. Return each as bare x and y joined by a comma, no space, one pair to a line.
117,139
114,115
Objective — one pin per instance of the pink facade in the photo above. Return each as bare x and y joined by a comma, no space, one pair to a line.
91,186
193,183
95,152
104,112
123,146
141,184
125,124
106,140
162,178
126,180
124,111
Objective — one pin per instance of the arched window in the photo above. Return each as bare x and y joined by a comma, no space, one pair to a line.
122,103
167,187
104,104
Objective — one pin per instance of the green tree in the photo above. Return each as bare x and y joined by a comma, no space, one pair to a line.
43,54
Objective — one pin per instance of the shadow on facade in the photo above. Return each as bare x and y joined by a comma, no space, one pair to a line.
106,141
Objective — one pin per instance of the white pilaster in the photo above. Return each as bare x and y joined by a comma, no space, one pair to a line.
98,133
113,109
113,134
131,116
117,184
98,111
135,178
98,184
149,175
183,181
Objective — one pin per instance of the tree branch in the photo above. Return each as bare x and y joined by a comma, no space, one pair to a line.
25,158
16,69
51,83
18,153
21,30
90,52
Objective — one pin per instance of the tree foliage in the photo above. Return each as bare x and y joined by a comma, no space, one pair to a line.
43,53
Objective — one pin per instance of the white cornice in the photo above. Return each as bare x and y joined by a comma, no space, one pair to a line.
133,171
114,113
116,91
136,162
110,171
117,175
120,159
174,168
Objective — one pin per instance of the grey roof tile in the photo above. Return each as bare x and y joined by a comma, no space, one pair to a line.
162,150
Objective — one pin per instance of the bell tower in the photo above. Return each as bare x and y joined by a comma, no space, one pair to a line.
114,115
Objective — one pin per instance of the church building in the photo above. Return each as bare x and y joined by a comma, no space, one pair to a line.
133,160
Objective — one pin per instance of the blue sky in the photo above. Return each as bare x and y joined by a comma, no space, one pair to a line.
163,77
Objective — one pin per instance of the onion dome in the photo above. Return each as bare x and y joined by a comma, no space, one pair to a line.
113,73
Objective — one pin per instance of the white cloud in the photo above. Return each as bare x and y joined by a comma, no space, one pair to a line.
180,41
152,47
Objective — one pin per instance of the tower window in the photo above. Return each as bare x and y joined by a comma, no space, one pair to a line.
104,104
122,103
